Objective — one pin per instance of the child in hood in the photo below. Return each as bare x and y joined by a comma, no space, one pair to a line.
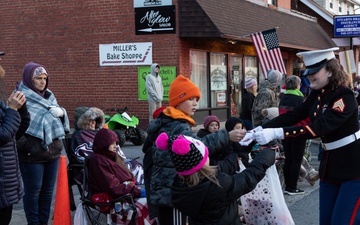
105,174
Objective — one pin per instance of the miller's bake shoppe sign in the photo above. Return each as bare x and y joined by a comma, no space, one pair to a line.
154,17
125,54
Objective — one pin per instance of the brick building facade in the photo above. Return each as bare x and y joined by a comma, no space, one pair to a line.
65,36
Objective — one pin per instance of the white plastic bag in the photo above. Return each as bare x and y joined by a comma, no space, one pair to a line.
266,203
79,217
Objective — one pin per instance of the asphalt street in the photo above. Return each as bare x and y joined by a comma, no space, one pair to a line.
303,208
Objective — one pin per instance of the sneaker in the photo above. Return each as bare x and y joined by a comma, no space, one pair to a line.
312,177
294,191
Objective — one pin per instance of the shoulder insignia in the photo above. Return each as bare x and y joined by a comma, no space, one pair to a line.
339,105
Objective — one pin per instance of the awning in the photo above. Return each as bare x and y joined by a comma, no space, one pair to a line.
237,19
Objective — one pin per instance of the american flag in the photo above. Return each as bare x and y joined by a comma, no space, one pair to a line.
267,48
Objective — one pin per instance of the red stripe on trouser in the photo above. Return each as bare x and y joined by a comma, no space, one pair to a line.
355,211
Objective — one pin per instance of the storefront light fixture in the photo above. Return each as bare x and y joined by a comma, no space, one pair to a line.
230,41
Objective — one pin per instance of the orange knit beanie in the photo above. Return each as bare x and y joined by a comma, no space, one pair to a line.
182,89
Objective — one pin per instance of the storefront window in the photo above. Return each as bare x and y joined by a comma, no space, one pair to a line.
251,67
235,84
211,72
199,75
218,79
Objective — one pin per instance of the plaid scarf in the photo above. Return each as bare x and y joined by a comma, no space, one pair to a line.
42,124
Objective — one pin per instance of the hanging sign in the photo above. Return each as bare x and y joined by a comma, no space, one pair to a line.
124,54
347,26
167,74
155,20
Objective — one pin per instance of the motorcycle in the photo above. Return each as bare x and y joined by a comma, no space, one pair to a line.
125,126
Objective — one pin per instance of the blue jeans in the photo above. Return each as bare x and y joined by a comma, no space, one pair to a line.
39,181
339,203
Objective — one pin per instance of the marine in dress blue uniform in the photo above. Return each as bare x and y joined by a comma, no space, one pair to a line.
333,112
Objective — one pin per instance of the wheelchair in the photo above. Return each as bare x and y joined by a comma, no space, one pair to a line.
123,210
74,171
77,175
98,207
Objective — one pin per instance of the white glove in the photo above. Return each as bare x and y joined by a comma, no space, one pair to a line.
266,135
249,136
257,129
56,111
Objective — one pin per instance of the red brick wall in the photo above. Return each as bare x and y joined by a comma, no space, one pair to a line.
284,4
65,36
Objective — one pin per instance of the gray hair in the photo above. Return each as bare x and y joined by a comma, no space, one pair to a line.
292,82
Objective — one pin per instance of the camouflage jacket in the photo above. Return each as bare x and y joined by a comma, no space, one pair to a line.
265,98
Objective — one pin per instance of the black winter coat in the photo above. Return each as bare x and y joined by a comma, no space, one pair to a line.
241,151
218,156
290,102
202,133
13,126
209,204
247,102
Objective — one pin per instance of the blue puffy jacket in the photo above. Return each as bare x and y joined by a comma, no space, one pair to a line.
13,126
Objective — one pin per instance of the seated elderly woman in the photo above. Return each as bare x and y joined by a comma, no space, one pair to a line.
88,120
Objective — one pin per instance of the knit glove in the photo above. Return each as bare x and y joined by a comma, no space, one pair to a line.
249,136
56,111
266,135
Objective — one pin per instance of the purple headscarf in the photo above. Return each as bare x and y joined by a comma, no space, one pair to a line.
30,71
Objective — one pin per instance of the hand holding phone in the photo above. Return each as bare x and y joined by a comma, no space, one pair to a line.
16,100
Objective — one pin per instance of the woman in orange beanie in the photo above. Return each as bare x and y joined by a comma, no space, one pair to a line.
174,120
